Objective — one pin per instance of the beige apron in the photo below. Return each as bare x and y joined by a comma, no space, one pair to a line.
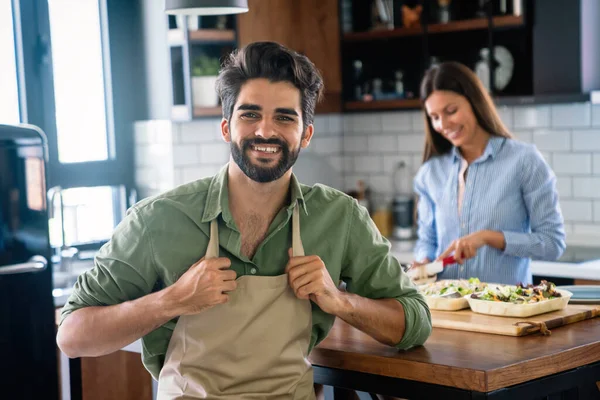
255,346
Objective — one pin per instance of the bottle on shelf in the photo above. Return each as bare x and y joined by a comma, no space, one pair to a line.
403,204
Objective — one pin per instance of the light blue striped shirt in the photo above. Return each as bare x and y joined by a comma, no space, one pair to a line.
510,189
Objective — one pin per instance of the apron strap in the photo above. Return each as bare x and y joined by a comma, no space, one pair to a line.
297,248
213,244
212,250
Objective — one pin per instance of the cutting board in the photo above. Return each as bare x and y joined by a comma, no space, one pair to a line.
467,320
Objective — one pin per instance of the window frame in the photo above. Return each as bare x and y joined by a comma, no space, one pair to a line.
125,94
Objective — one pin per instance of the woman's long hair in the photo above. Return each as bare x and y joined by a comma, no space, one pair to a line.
457,78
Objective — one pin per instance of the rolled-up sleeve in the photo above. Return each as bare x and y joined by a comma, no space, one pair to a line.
546,241
426,245
371,271
123,269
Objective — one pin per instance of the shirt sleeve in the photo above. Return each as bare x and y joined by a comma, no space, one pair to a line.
426,245
547,238
123,269
371,271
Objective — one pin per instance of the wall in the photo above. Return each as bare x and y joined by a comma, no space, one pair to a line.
169,154
369,146
567,135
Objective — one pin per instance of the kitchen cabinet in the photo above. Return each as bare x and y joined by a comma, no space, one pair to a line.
310,27
196,46
552,48
119,375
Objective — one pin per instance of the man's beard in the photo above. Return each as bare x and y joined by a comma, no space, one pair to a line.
256,172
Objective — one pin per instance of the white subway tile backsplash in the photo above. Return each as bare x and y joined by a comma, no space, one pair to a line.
552,140
368,164
571,115
190,174
391,163
366,123
586,229
506,115
524,136
382,143
548,157
321,124
348,164
165,131
597,211
368,146
142,155
337,162
531,117
596,158
564,185
178,176
596,115
568,229
351,181
327,145
185,155
576,164
577,210
202,131
143,132
411,143
381,184
418,121
146,176
355,144
217,153
335,124
396,121
586,187
417,161
328,125
586,140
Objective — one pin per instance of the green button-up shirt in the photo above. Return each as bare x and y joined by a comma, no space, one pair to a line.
162,236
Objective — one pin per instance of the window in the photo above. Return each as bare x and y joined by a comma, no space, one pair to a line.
9,95
77,66
73,74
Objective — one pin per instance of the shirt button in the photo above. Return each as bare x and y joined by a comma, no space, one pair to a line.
253,271
462,269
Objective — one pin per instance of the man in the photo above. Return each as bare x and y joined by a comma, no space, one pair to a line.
232,280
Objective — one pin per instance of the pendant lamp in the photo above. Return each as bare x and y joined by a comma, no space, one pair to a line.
205,7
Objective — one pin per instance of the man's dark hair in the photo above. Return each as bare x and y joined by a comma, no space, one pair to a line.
272,61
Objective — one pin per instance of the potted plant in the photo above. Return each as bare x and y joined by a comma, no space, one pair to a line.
204,77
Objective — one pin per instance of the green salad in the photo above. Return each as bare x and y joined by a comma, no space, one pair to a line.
452,288
519,294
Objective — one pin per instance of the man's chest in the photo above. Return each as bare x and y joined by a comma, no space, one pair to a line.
253,231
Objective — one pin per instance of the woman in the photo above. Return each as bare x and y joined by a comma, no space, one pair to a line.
486,198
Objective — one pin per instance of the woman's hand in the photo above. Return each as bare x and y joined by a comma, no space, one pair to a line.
466,247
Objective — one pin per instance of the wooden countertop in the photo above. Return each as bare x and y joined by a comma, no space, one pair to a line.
466,360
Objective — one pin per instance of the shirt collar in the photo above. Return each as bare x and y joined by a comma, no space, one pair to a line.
217,201
491,149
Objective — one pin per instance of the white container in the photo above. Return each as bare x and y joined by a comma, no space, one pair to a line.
203,91
504,309
444,304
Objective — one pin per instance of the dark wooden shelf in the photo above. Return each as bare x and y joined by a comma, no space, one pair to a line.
503,21
592,96
176,37
208,111
382,104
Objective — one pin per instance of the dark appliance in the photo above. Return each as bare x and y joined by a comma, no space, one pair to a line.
27,336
